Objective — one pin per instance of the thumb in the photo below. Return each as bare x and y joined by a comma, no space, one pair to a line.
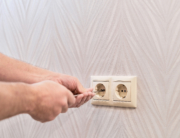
80,89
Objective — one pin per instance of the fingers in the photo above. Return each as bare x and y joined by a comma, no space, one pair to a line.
85,95
83,98
77,101
91,95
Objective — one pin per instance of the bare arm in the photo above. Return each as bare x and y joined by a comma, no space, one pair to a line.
38,100
18,71
14,99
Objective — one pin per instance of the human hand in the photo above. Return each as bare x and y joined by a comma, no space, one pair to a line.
83,98
50,99
73,84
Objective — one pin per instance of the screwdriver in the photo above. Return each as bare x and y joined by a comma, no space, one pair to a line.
102,90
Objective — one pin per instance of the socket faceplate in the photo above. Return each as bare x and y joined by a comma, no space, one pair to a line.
119,91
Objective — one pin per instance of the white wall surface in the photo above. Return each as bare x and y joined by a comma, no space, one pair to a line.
99,37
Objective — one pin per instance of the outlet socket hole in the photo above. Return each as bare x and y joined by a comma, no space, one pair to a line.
101,89
121,91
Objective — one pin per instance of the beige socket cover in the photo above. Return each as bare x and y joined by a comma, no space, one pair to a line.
119,91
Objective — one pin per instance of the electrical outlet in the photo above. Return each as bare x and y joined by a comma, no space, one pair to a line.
122,91
115,90
102,90
101,86
127,84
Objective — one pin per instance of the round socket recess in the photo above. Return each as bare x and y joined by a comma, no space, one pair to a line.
121,91
101,90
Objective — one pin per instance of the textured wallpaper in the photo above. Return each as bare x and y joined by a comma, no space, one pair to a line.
99,37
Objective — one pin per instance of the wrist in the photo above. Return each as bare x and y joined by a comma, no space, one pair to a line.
26,98
36,75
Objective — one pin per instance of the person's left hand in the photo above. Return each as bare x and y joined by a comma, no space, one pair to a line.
73,84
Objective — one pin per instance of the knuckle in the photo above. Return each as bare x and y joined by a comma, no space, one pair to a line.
56,111
48,118
78,105
63,104
42,121
51,118
65,110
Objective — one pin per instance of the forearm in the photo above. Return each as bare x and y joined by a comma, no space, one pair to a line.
18,71
15,98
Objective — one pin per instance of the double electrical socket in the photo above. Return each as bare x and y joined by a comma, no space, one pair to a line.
115,90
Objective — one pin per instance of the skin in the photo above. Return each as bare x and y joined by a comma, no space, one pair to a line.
38,92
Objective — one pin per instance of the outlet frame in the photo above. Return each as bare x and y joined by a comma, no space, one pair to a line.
113,81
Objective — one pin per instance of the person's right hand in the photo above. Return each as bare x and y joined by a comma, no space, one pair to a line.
74,85
51,99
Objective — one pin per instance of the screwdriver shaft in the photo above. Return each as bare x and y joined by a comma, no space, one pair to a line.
93,92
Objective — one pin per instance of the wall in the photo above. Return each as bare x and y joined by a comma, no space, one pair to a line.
99,37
